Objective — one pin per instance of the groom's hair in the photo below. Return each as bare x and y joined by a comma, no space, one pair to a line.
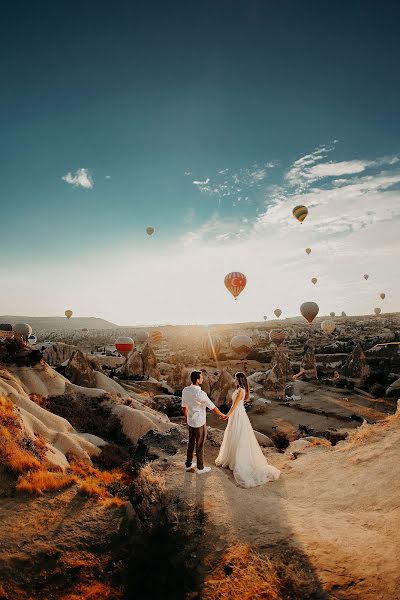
195,376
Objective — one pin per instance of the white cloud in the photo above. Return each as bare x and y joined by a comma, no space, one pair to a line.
202,182
108,176
81,178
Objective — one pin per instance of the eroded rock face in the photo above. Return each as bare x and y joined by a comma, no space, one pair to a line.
308,363
223,389
178,378
57,353
274,386
149,359
134,364
356,368
281,366
80,371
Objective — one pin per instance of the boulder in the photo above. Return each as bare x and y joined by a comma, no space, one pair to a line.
134,364
80,371
356,369
263,440
394,390
169,405
150,363
285,428
223,389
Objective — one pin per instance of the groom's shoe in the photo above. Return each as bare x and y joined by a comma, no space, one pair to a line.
203,470
189,468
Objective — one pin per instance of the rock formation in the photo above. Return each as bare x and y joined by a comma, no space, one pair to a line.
308,364
356,369
178,378
274,386
80,370
281,366
223,389
134,364
150,363
58,353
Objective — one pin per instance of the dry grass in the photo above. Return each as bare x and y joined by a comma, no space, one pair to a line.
93,591
149,485
13,455
242,574
366,433
38,482
39,400
93,482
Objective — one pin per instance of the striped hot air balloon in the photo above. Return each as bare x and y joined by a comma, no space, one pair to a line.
156,336
300,212
277,336
235,282
124,345
6,331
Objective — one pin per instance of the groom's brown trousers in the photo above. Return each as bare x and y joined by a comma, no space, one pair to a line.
197,438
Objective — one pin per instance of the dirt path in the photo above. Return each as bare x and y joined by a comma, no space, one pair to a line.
339,510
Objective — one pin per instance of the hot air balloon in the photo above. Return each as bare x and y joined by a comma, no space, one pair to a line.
332,314
142,336
235,282
150,230
309,310
300,212
22,330
383,296
32,339
328,326
366,276
277,312
241,345
68,314
156,336
265,318
124,345
212,346
314,280
277,336
343,314
377,311
308,250
6,331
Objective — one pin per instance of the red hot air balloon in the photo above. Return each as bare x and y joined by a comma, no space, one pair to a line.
235,282
156,336
277,336
124,345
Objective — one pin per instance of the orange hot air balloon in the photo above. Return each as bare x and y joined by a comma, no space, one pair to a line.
235,282
124,345
156,336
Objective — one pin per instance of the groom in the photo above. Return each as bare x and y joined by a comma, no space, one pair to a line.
194,404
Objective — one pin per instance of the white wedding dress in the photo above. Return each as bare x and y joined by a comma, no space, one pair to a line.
241,452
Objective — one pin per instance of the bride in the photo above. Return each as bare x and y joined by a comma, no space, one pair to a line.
240,450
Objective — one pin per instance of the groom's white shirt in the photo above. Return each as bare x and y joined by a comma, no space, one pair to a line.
196,402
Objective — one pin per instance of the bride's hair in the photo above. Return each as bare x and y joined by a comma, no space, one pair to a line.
242,382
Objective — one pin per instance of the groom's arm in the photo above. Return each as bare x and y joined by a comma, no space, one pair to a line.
212,407
185,412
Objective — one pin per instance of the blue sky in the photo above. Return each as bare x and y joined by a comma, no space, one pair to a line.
113,117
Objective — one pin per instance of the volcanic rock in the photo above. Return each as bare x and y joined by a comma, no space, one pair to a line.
274,387
178,378
356,369
134,364
150,363
223,389
308,363
80,371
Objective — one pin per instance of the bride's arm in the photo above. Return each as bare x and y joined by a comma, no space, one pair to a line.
238,398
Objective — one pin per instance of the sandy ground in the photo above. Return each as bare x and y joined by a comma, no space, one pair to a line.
339,508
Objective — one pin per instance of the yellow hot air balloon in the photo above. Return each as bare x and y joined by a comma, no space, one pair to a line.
300,212
383,296
68,314
309,310
328,326
308,250
377,311
314,280
366,276
277,312
150,230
